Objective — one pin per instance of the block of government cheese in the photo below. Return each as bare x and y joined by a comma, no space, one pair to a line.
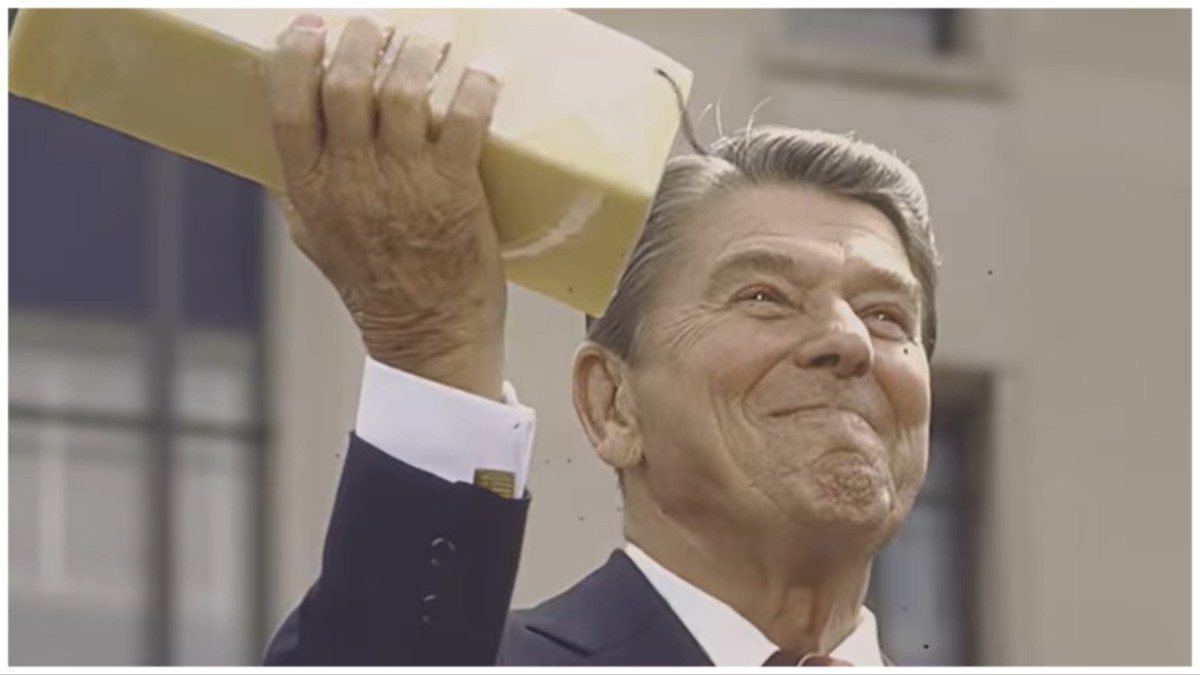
580,135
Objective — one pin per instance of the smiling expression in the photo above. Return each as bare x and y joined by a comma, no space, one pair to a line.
779,376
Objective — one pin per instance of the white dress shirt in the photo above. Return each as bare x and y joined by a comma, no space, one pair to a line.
728,637
450,433
442,430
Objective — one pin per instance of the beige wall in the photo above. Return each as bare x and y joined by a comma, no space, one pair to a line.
1072,189
1103,144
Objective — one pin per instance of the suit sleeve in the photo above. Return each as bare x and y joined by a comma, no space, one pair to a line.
419,564
416,570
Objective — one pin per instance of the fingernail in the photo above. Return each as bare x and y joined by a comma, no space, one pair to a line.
437,28
491,63
309,22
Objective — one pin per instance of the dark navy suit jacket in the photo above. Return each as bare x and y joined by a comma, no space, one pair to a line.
420,571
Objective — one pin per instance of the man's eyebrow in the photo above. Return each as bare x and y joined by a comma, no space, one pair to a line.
755,260
865,275
868,276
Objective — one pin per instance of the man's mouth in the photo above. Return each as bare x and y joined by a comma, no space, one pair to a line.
823,408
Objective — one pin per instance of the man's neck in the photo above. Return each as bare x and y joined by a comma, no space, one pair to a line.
801,602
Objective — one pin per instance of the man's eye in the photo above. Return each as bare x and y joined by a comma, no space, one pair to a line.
760,294
896,322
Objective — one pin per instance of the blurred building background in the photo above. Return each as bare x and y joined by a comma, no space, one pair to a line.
182,381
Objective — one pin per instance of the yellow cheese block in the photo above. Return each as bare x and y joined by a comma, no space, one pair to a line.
580,135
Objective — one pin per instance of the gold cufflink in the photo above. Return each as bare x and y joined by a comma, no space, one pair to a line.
498,482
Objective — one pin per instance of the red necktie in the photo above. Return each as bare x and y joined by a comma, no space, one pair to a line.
792,659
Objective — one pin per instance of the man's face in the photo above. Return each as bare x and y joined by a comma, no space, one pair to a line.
780,379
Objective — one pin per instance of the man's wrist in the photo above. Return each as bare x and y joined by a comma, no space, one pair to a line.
475,370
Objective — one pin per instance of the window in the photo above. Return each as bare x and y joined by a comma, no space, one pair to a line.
933,50
137,432
924,583
914,31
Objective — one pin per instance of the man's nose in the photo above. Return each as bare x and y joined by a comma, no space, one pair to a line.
840,343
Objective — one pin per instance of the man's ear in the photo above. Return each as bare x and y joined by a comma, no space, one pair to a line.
604,402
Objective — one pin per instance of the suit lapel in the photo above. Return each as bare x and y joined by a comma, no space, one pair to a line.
615,617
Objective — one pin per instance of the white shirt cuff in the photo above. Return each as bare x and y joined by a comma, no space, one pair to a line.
443,430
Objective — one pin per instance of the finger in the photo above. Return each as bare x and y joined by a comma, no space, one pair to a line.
348,89
293,82
465,129
404,95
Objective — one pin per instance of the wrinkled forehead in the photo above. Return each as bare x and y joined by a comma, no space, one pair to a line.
795,220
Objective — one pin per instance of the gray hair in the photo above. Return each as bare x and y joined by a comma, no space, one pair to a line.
837,163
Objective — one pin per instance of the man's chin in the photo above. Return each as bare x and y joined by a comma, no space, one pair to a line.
865,519
849,490
832,529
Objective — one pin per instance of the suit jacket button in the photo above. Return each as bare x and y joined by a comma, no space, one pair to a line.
429,602
442,548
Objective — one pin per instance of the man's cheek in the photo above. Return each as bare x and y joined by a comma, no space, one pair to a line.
910,463
745,366
907,388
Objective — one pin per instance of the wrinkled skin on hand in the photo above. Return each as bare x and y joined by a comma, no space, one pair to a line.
391,210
